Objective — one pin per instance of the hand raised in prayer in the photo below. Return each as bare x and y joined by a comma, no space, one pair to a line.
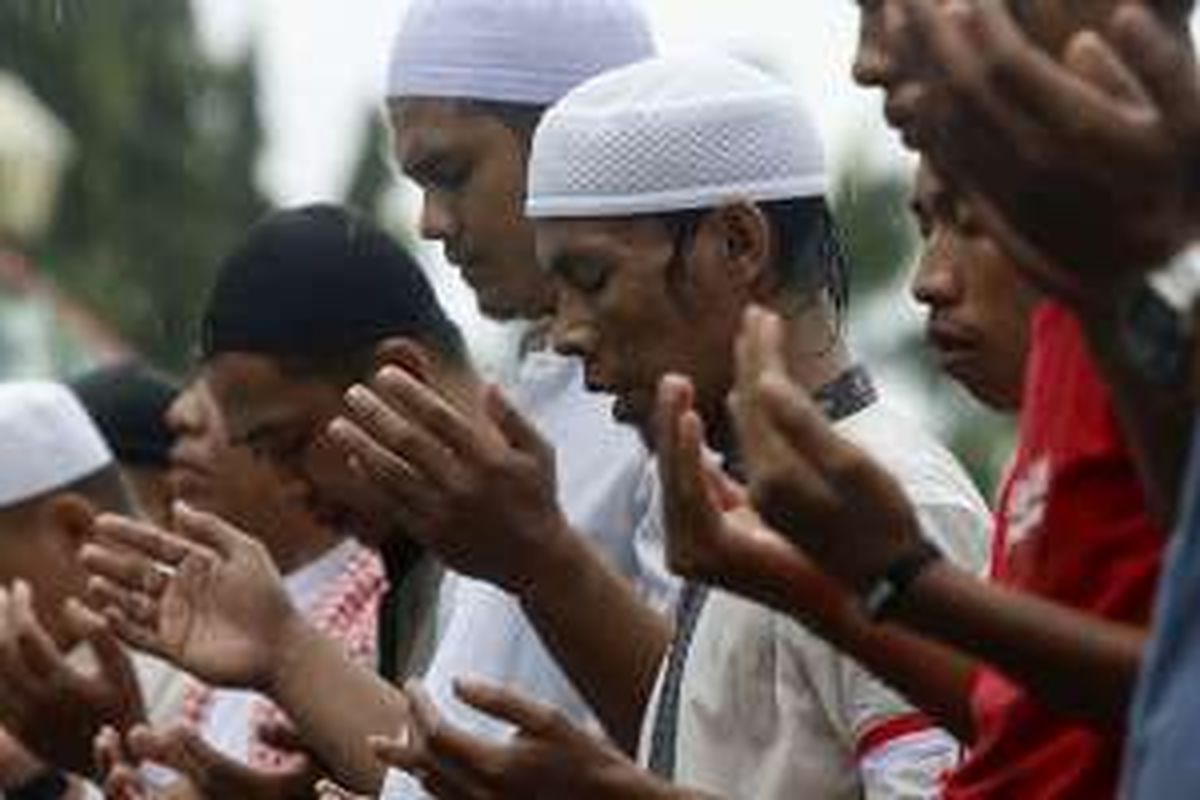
547,758
207,773
212,603
846,512
50,705
715,536
476,489
1084,168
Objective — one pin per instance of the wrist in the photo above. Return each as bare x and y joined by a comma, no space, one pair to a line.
290,646
887,592
553,565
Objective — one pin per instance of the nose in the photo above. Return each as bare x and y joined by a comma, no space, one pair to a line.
570,332
881,33
936,283
437,221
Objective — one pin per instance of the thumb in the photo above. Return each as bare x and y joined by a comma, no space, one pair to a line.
1090,57
116,667
280,735
181,749
519,432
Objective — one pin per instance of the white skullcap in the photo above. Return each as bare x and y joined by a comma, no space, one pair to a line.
513,51
674,134
47,441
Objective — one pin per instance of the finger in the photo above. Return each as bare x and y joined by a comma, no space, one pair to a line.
1089,57
382,466
134,606
124,783
453,753
126,568
676,465
143,538
394,434
210,530
116,671
183,750
424,407
136,635
517,430
282,736
398,752
527,715
39,655
726,492
1162,62
106,749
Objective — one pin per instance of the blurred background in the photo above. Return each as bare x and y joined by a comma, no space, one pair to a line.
138,138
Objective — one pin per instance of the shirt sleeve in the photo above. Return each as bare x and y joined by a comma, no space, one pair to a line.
655,584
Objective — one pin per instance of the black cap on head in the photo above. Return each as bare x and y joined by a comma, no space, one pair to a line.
320,281
128,403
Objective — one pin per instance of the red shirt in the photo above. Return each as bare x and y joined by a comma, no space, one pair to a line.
1074,529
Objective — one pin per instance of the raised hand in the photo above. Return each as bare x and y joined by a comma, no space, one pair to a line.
547,758
52,706
813,486
715,536
1083,166
477,489
212,603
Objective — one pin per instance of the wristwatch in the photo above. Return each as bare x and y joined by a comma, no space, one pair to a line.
886,591
1158,329
49,784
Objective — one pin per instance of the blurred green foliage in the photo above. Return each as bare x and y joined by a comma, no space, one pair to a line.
166,145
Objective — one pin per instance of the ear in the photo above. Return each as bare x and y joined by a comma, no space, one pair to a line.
744,243
407,353
70,517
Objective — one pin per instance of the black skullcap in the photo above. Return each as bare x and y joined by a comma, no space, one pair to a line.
320,281
128,403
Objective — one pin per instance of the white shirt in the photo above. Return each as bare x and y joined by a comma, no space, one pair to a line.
768,710
608,489
226,726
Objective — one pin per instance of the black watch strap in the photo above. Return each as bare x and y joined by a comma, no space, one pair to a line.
48,784
881,598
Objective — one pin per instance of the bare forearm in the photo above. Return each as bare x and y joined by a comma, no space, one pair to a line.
335,705
609,643
1041,645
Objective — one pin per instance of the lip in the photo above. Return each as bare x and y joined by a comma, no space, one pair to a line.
901,109
953,342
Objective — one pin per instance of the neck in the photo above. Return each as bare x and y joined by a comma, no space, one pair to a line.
814,353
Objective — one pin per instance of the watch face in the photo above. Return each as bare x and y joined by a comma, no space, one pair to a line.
1156,337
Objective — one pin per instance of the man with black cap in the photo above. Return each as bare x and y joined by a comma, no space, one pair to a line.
313,300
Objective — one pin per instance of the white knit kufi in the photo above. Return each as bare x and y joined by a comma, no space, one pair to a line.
674,134
514,51
47,441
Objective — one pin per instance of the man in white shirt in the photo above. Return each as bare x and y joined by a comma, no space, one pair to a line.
669,196
469,80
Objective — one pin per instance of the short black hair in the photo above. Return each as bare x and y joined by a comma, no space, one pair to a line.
129,402
319,282
810,254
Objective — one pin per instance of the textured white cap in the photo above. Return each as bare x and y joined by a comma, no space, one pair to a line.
47,441
514,51
673,134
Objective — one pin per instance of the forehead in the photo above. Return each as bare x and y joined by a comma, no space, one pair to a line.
559,239
426,128
251,391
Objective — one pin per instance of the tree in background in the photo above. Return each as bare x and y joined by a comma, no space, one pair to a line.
163,180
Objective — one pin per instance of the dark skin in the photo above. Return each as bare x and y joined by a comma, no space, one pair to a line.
221,611
850,517
1096,105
